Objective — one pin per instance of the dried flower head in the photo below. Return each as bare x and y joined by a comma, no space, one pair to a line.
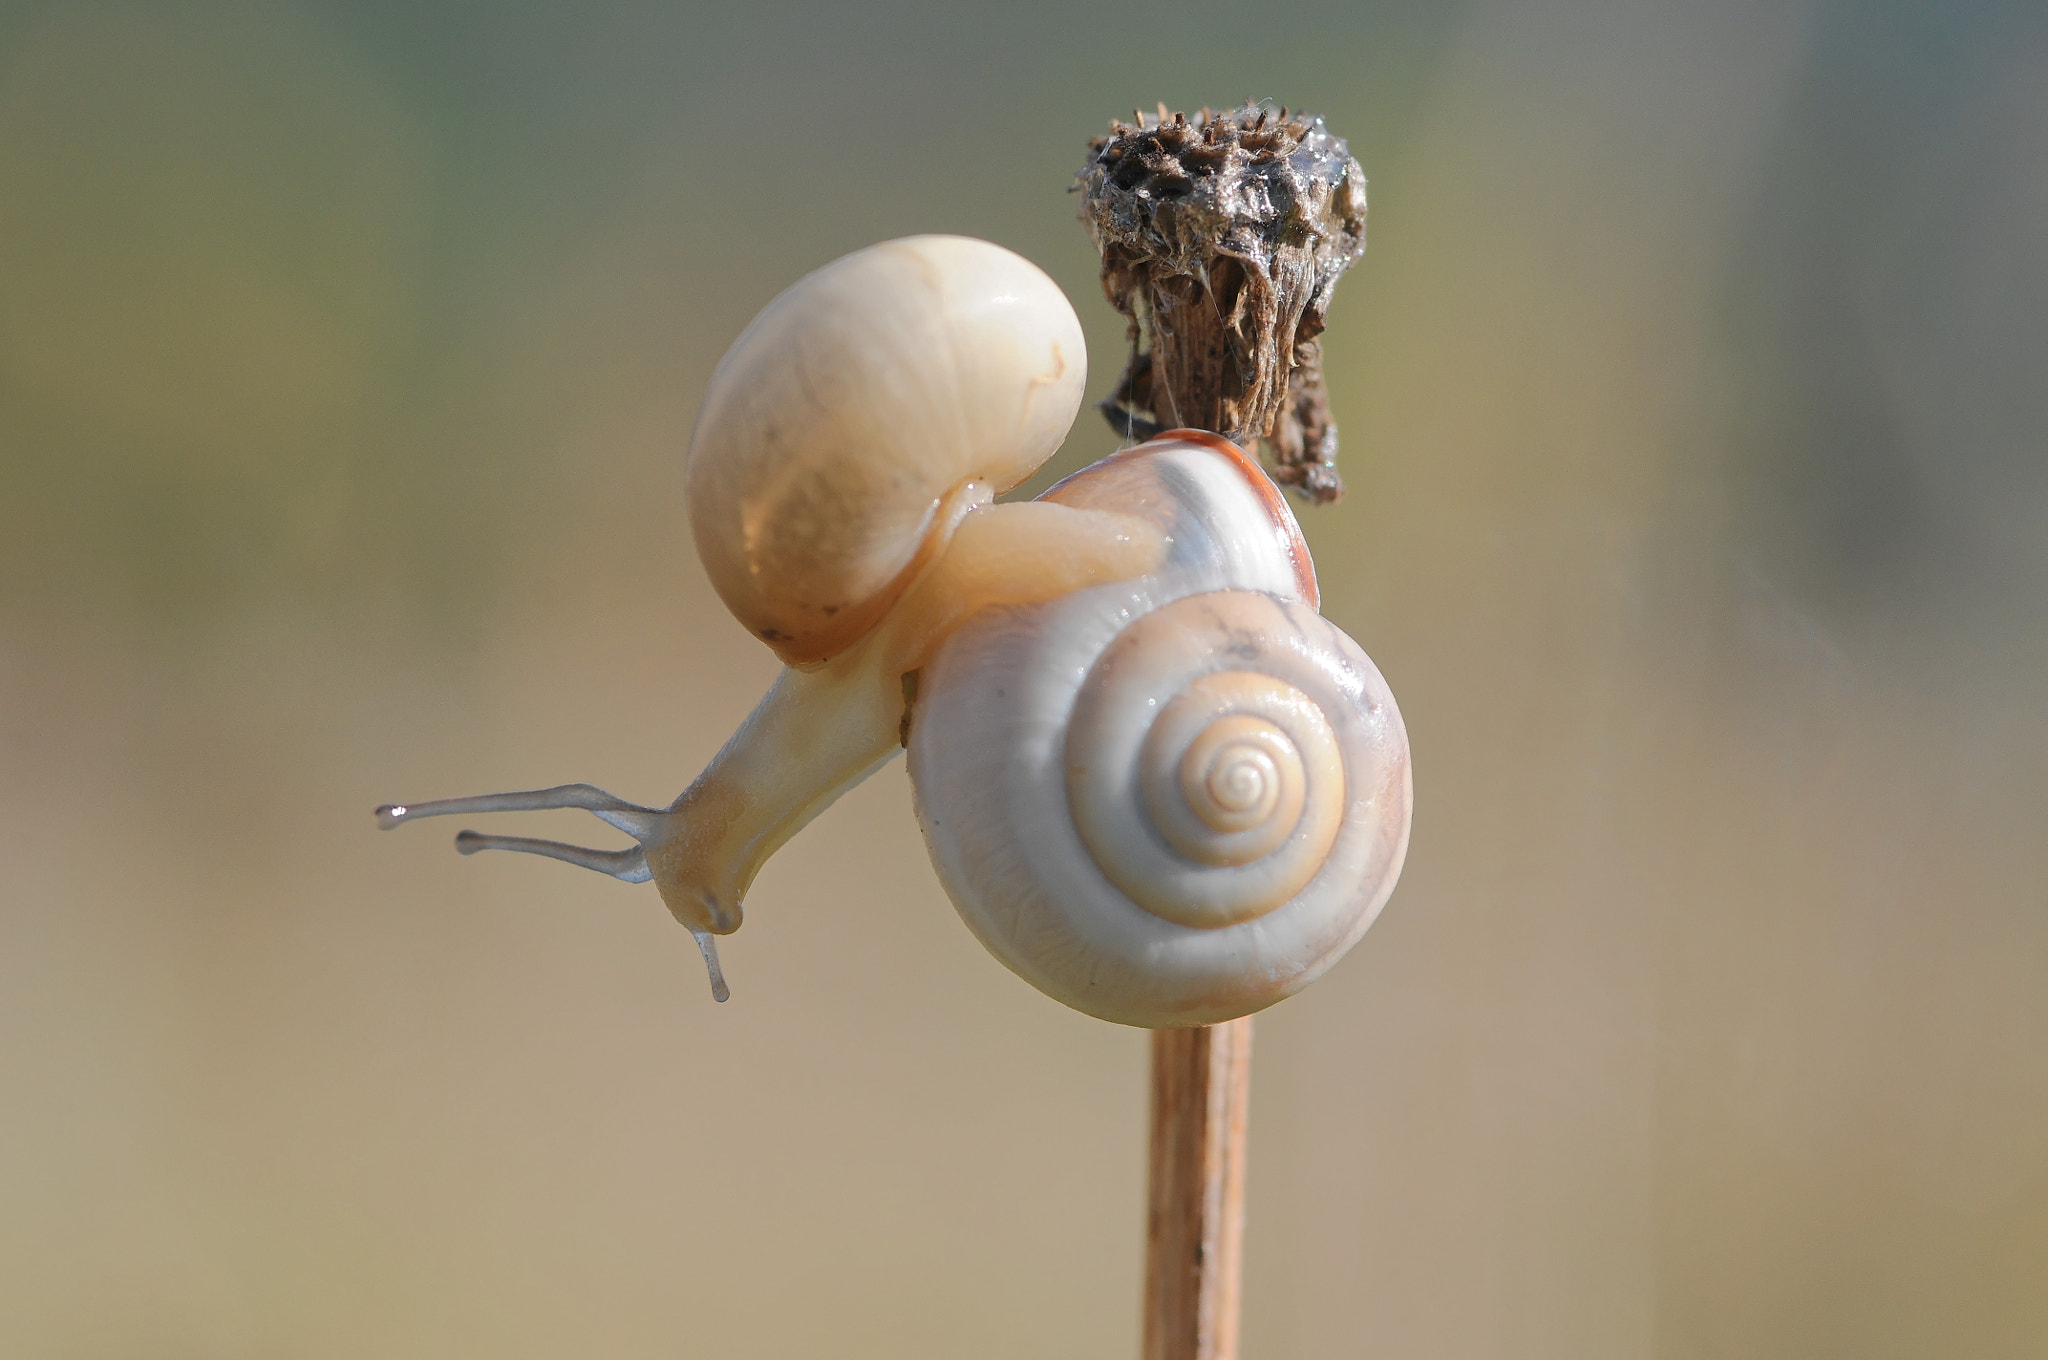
1222,239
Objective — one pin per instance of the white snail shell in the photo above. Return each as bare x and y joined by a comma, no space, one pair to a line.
1172,800
1155,782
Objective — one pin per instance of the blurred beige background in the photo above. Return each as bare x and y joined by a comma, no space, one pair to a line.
1694,408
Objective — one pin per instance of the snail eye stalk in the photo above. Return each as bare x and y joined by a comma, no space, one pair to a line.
628,866
636,821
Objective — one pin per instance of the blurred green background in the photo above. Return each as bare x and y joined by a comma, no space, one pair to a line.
1694,394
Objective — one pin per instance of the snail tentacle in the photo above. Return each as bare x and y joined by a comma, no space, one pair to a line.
628,866
630,818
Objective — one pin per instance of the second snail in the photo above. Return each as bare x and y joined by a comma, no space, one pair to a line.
1154,781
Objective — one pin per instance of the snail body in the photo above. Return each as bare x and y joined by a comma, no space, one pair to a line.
1153,780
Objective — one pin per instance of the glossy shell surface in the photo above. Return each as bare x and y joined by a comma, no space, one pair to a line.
1082,766
851,407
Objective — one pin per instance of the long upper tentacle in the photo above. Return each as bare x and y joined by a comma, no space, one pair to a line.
631,818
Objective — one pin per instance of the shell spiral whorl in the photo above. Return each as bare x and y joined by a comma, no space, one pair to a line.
1220,802
1169,801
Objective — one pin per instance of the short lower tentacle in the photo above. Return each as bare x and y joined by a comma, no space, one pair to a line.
628,866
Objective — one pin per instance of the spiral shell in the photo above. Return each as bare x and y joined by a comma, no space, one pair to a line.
1175,800
1208,796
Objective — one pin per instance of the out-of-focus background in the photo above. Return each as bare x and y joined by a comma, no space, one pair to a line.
1694,396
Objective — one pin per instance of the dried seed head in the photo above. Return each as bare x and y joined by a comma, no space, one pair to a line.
1222,239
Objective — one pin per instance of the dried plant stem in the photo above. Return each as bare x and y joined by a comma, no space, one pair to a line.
1223,236
1194,1220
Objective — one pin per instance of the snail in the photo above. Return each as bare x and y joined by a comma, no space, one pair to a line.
1154,781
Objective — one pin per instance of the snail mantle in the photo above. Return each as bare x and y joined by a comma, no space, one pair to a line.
1155,782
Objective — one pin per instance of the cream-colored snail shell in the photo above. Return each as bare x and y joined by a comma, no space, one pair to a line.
1174,800
851,407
